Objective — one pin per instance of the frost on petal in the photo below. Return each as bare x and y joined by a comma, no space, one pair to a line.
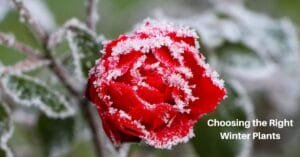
169,136
148,83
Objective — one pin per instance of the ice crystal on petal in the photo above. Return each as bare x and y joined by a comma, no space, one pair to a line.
151,85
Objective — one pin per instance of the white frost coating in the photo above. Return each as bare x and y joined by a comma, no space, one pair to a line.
213,75
157,36
7,39
153,27
185,71
78,24
7,134
124,115
180,105
15,96
134,71
58,36
272,39
245,103
76,55
40,13
168,143
113,74
176,80
25,66
66,33
144,45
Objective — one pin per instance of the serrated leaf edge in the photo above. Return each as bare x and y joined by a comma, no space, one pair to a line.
39,104
6,136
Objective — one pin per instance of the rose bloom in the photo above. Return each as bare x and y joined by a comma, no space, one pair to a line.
153,85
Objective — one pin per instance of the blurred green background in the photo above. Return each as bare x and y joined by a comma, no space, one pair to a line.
116,17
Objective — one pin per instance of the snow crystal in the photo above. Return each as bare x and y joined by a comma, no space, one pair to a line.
134,71
37,101
185,71
7,134
59,35
168,142
113,74
25,66
143,45
40,13
176,80
124,115
76,54
180,105
153,27
112,110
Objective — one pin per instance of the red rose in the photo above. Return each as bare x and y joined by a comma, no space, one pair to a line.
154,85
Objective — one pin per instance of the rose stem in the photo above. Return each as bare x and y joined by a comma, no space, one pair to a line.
61,73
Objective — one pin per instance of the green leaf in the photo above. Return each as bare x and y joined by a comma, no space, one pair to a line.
236,59
239,56
6,130
56,134
85,48
28,91
208,142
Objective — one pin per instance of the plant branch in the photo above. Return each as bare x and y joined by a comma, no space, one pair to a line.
88,114
63,75
10,41
33,25
84,104
92,14
26,65
59,70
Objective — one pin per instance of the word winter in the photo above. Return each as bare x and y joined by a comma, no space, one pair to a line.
247,136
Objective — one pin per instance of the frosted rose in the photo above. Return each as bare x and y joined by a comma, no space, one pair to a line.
153,85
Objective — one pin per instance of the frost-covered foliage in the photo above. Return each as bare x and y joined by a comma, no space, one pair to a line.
27,91
37,8
83,43
249,46
230,24
260,52
253,52
6,129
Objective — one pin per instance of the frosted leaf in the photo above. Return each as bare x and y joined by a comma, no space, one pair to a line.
240,61
6,130
40,13
27,91
26,65
273,39
85,49
83,43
